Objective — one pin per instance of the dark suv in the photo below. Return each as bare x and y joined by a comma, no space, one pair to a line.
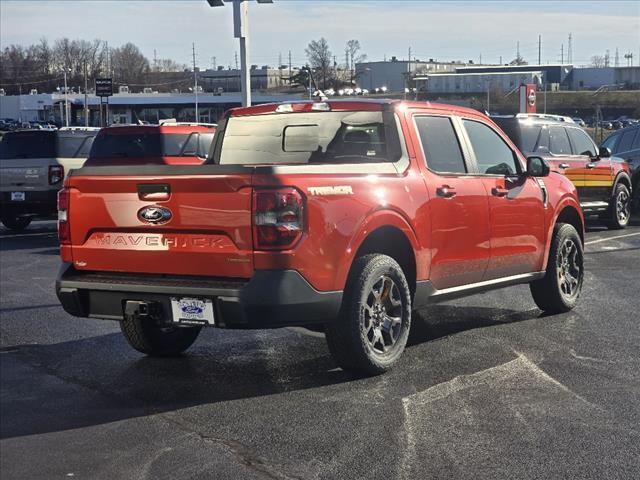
603,182
625,144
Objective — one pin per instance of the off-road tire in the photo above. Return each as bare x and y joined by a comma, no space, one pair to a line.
348,344
548,292
620,209
147,337
15,223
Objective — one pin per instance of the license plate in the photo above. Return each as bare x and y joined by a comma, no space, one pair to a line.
192,311
18,196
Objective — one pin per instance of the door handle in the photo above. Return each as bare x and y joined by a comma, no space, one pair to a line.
499,192
154,192
591,165
445,191
564,165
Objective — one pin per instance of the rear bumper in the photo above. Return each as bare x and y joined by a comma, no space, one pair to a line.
39,202
270,299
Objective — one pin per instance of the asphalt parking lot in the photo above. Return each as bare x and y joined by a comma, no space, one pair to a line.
488,388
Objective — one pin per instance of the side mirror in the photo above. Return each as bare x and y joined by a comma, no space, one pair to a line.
537,167
604,152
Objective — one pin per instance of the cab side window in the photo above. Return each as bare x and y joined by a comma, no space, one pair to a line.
440,145
493,155
582,144
558,141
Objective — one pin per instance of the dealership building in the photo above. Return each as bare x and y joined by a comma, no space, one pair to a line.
126,107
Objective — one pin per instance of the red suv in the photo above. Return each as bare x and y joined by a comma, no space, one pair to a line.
342,215
168,144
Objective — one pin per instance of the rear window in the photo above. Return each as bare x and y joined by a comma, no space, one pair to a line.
28,145
147,144
317,137
74,146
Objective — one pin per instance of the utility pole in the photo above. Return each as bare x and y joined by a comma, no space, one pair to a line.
562,54
213,62
607,58
289,67
236,56
616,62
539,49
195,79
155,61
86,103
570,50
500,59
480,61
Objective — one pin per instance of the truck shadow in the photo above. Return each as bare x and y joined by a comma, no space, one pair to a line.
99,380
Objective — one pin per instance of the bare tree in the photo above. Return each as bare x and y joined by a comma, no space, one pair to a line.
320,59
168,65
597,61
352,49
129,64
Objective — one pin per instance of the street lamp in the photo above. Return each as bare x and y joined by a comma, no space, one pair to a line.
66,98
241,31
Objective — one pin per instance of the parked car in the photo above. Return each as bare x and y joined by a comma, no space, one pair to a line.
545,116
603,182
168,144
579,121
625,144
341,215
33,164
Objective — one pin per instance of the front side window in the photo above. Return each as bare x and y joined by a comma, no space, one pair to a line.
558,141
493,155
314,137
611,142
582,144
626,141
440,145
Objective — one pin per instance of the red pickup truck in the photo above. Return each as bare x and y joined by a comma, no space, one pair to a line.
343,215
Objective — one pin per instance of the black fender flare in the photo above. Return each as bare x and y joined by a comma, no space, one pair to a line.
619,177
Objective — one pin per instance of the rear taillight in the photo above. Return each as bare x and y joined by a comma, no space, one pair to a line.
64,230
278,218
56,174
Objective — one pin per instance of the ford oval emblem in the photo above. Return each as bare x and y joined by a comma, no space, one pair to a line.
154,214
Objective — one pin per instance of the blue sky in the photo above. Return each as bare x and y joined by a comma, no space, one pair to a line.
453,30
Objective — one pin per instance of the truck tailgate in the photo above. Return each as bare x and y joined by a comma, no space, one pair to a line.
171,224
23,174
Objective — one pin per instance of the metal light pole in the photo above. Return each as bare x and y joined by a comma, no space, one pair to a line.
66,100
241,31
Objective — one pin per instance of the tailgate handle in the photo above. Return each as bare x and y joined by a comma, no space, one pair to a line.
154,191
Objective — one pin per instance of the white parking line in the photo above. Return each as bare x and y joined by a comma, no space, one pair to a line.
28,234
611,238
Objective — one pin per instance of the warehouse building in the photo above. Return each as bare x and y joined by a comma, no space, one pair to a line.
263,78
476,82
394,74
